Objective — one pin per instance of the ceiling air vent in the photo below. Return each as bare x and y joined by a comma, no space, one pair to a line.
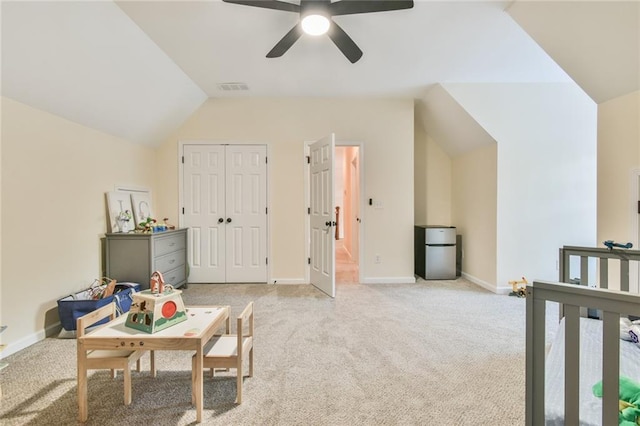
232,86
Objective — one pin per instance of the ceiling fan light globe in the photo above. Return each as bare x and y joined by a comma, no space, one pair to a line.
315,24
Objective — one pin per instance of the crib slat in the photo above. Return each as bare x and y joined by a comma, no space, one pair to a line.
535,360
584,270
624,274
610,367
604,273
572,364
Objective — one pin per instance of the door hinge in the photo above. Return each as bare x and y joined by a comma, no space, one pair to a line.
266,260
183,159
638,207
308,159
266,210
183,210
308,260
308,210
266,161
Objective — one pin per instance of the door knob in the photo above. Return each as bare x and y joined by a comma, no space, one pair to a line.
327,223
228,220
220,220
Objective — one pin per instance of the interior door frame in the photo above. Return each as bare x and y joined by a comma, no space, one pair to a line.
307,203
181,144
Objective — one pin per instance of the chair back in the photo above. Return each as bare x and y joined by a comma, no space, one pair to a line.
245,337
93,317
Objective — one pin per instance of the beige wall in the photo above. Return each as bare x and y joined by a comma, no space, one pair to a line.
54,177
474,213
420,173
438,185
618,161
432,181
386,129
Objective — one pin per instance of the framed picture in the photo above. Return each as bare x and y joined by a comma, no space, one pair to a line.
141,206
120,212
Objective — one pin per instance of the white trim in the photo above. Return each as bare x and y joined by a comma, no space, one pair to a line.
307,203
486,285
285,281
30,339
389,280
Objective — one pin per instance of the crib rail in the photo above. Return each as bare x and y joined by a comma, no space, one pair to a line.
612,304
605,256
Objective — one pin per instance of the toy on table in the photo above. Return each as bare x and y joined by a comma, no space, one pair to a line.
158,308
628,403
519,287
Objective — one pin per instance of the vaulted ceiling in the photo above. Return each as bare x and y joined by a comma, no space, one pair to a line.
138,69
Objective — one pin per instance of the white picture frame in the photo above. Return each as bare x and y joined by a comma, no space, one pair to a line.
142,206
118,202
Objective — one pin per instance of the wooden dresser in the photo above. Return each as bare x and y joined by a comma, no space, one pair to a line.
134,257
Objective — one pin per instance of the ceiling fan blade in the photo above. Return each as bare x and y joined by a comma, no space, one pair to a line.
286,42
350,7
346,45
268,4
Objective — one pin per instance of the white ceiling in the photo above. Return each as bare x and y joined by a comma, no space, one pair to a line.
138,69
87,62
596,42
404,51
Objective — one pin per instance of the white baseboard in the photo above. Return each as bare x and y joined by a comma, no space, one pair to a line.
383,280
288,281
389,280
484,284
29,340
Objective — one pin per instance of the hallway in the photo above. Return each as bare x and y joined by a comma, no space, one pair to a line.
346,268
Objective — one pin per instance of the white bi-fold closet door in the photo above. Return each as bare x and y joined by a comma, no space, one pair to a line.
225,209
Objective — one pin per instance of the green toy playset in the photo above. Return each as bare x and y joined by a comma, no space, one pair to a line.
158,308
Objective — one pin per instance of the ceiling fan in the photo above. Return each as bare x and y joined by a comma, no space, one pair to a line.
316,19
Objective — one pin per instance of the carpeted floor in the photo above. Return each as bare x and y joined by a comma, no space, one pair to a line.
430,353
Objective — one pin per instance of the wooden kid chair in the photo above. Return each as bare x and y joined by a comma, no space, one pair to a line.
111,359
230,350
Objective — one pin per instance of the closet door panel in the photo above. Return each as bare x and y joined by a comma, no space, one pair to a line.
204,206
246,195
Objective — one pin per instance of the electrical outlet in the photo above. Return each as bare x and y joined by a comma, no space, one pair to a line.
377,259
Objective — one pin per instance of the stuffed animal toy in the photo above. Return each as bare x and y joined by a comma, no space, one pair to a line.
629,402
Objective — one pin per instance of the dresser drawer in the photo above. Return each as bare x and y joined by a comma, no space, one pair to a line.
175,276
169,261
168,244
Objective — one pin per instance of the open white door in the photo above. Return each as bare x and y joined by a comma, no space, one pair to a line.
322,215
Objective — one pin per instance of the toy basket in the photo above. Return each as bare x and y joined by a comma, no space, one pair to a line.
72,307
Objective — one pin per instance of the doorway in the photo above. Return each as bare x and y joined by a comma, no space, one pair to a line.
349,231
347,206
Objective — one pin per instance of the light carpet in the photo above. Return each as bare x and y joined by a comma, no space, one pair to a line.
430,353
